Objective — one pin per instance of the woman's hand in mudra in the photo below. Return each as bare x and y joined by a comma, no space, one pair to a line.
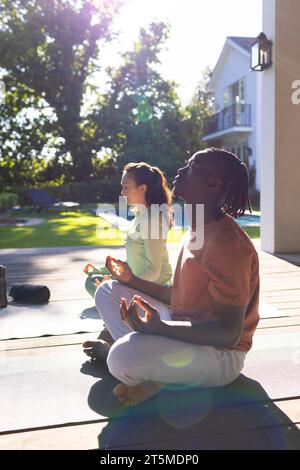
150,323
119,270
88,267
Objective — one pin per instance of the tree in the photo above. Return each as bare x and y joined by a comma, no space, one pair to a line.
48,48
141,117
198,110
23,135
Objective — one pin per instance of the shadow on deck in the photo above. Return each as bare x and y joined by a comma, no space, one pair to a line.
238,416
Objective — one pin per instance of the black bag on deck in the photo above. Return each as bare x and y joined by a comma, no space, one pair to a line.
30,294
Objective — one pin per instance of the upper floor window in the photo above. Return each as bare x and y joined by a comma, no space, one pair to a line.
226,98
235,94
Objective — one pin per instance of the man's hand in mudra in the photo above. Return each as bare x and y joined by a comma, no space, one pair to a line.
119,270
149,324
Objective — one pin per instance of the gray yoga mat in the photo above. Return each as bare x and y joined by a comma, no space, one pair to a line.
44,386
55,318
56,385
66,317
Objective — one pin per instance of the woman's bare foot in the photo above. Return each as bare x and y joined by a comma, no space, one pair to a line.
96,350
132,395
106,336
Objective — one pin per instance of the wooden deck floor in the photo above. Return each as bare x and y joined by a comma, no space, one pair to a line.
60,270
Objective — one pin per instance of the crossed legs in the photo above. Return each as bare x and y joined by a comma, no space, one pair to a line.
146,363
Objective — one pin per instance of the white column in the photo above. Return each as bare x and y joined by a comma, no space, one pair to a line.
266,95
280,130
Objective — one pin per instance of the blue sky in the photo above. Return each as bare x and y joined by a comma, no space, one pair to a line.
198,32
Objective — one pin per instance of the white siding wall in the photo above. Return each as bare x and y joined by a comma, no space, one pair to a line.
234,66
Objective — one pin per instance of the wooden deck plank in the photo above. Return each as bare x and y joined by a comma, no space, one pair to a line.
275,419
78,437
46,341
79,338
277,330
286,305
278,322
215,431
291,311
61,270
281,295
279,279
278,438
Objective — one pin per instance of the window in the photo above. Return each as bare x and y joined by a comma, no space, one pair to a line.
235,94
226,98
242,94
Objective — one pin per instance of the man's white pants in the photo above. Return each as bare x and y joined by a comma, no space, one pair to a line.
135,357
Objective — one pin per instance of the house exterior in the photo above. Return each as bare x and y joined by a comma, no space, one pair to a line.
235,88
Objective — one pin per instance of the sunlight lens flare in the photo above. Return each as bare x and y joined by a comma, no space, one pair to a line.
143,111
186,407
178,359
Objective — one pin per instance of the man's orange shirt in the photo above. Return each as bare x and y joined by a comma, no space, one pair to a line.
225,269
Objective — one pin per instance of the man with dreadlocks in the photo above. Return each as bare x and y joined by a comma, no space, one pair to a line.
198,331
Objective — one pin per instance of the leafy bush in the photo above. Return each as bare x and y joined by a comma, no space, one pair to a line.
7,200
104,190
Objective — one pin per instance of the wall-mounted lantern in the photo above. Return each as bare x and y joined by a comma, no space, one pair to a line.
261,53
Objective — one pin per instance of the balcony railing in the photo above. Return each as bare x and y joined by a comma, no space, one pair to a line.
236,115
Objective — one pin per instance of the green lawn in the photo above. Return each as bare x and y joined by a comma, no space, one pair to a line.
253,232
72,229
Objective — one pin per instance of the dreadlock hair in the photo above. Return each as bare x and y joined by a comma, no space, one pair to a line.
157,191
235,176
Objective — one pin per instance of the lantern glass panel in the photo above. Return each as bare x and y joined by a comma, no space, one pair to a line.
255,55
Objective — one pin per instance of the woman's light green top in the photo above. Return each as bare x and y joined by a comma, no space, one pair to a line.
147,255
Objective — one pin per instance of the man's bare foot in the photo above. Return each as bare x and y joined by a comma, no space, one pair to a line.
96,350
132,395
